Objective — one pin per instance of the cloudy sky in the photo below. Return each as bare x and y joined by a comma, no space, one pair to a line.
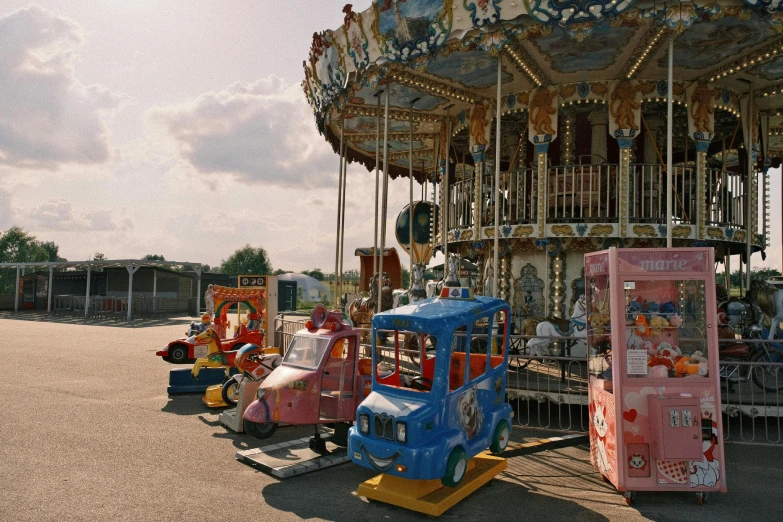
133,127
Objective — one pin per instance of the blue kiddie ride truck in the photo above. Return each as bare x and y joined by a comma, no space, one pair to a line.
438,388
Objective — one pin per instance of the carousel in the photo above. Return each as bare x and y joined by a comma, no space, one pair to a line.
543,130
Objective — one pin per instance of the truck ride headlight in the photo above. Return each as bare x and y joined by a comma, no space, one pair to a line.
261,393
402,432
364,423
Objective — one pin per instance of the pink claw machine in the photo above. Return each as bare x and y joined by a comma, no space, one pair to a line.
654,393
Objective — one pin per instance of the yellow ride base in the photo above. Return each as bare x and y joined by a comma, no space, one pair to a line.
214,397
430,496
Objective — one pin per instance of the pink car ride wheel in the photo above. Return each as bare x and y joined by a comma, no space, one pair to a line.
260,430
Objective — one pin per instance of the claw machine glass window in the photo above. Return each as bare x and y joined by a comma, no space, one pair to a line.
665,328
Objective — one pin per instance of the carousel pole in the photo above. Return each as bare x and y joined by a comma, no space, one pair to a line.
444,187
728,273
385,194
669,131
495,260
410,191
339,205
377,182
749,192
342,219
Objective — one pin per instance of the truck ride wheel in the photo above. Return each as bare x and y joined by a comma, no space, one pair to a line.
260,430
456,467
500,438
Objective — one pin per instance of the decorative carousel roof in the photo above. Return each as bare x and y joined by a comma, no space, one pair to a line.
440,58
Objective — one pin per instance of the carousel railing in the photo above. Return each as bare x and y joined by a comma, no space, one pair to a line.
582,192
725,198
647,193
588,193
460,201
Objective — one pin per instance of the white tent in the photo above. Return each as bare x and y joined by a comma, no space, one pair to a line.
308,288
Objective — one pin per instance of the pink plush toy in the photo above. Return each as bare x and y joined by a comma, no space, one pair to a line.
659,372
675,320
650,347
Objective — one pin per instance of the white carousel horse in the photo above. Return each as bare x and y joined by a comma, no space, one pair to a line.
450,278
548,332
416,292
770,301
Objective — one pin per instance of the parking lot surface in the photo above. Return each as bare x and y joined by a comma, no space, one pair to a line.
89,433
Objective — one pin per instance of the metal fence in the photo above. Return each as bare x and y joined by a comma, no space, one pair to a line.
549,391
116,308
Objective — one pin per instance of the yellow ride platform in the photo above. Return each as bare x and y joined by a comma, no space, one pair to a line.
430,496
214,397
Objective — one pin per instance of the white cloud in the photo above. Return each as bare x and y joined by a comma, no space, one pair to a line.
58,215
263,133
6,212
47,117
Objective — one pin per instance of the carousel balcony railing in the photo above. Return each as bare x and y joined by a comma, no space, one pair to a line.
461,203
647,203
582,193
588,193
725,198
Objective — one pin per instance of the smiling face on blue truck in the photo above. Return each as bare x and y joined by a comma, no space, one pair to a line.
438,390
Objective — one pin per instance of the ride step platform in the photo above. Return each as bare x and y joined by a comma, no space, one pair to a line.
293,457
430,496
213,397
182,381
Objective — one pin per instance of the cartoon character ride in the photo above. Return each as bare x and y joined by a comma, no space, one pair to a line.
430,412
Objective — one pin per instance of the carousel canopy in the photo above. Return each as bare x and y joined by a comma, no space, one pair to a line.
440,59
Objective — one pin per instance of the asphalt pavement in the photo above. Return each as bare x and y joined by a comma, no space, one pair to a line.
89,433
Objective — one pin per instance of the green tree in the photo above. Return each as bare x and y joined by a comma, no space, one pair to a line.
153,257
17,246
756,274
98,256
247,260
315,273
53,250
280,271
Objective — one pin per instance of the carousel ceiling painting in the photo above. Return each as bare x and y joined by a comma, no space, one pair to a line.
772,70
471,69
709,44
439,57
595,53
394,145
401,98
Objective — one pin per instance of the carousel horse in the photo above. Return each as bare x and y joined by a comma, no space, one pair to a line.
450,278
363,308
216,357
548,330
416,292
770,301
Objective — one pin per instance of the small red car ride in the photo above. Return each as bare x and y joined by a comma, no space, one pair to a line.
187,349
